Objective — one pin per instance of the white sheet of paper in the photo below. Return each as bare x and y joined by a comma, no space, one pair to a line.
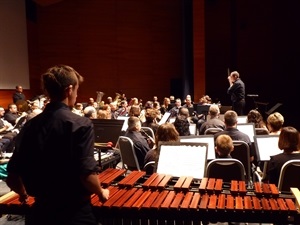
209,140
267,147
182,160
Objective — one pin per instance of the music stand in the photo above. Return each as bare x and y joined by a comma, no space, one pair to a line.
266,146
106,131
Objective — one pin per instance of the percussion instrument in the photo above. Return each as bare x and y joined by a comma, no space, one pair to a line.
140,198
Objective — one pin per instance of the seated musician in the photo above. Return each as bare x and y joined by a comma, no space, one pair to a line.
224,146
151,119
12,115
140,144
214,112
165,132
289,142
230,119
182,123
275,123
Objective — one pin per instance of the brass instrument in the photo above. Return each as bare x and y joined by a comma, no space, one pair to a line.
99,101
117,99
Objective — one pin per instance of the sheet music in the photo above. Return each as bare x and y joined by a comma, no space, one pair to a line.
247,128
267,147
182,160
211,154
164,118
125,124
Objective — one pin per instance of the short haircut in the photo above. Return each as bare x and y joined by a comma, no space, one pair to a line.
214,110
133,122
58,78
224,144
275,120
230,118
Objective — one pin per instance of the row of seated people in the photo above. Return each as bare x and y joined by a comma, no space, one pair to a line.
230,118
11,121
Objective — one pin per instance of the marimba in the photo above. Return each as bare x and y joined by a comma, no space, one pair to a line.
140,199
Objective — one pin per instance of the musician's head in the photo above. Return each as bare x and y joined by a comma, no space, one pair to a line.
289,139
134,123
166,132
234,75
61,84
214,110
224,145
230,118
19,88
275,122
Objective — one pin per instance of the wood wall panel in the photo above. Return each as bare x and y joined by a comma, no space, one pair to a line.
127,46
199,49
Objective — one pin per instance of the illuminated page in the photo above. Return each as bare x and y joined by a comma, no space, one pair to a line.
209,140
267,147
182,160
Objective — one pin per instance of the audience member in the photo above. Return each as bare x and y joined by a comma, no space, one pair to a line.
214,121
289,142
254,116
230,119
275,123
165,132
237,92
224,146
57,131
141,146
182,123
18,95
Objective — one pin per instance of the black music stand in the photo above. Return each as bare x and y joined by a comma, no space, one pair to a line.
106,131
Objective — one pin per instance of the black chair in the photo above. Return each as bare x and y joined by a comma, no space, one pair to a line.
149,167
227,169
212,130
242,153
289,175
128,156
261,131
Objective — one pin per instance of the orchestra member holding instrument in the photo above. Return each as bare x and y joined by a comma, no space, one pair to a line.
237,92
140,144
54,157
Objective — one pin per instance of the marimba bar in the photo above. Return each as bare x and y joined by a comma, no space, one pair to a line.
159,197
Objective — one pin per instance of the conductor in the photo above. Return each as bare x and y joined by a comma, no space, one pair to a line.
237,92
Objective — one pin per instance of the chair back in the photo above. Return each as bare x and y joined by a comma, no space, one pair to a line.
227,169
289,175
149,167
242,153
128,155
261,131
212,130
149,131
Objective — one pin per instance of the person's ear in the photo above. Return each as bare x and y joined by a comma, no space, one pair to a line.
69,89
